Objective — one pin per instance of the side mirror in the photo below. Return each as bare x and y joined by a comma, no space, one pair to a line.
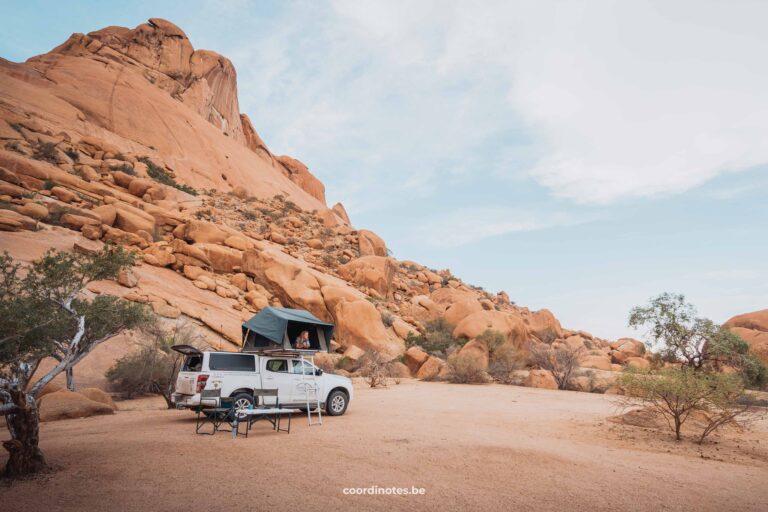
319,372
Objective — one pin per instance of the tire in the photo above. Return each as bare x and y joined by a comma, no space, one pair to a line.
337,403
242,401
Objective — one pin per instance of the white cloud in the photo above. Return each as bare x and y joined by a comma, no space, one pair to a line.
603,100
469,225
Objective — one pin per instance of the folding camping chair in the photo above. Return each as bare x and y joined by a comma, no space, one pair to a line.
207,413
216,415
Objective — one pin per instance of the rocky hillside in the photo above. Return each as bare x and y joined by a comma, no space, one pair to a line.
753,327
136,138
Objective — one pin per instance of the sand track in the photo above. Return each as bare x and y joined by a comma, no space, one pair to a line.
471,447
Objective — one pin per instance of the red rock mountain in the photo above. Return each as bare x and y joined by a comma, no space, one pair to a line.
148,91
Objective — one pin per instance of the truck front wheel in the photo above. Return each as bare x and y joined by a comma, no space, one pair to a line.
337,402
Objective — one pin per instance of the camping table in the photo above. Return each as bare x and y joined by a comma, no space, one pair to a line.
272,411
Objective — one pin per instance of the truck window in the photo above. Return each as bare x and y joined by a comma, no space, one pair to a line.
277,365
232,362
192,363
296,367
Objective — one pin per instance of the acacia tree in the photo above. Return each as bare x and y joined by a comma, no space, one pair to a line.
44,314
701,350
698,343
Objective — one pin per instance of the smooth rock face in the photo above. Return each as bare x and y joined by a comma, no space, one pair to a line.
299,174
753,328
430,369
508,324
478,350
543,325
374,272
540,379
460,310
414,358
371,244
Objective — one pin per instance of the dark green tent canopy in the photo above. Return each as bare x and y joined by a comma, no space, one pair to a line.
278,328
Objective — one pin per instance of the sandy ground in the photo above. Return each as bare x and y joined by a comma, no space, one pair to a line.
471,447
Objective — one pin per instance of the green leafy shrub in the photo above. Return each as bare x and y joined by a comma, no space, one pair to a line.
492,339
126,168
46,152
387,318
160,175
73,154
467,368
504,360
437,339
153,368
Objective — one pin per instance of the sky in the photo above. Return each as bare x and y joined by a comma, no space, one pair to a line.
582,156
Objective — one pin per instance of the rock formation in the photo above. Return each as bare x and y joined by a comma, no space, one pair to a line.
753,327
131,136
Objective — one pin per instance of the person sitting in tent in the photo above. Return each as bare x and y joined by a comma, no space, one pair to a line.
302,342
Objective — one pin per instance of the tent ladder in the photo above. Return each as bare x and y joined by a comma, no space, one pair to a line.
311,386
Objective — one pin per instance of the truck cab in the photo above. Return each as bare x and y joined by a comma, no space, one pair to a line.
239,374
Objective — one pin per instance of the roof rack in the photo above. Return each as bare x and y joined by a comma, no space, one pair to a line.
281,352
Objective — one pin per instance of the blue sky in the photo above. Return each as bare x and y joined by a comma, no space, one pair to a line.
582,156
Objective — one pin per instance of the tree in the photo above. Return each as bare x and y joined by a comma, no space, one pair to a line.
673,328
698,343
561,362
153,368
43,314
375,369
702,382
676,393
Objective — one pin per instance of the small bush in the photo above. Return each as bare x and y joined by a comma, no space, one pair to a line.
375,370
153,368
467,368
503,361
561,362
250,215
147,371
329,259
492,339
160,175
387,318
437,338
126,168
548,336
49,184
55,214
46,152
73,154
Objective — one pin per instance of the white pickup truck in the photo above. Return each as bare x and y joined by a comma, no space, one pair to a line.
238,374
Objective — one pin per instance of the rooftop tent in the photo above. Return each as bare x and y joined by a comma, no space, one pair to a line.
278,328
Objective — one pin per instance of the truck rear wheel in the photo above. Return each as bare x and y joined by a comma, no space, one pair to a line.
337,402
242,401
